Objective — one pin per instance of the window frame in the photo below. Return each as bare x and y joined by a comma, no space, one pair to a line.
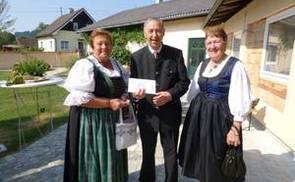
236,34
61,45
75,26
277,77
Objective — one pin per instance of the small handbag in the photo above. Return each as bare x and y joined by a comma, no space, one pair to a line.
126,130
233,165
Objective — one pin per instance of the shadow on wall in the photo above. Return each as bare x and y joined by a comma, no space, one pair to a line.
258,118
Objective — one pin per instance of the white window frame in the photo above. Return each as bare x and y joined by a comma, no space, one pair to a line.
277,77
236,34
62,47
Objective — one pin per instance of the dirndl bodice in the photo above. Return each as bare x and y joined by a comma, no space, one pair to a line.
217,87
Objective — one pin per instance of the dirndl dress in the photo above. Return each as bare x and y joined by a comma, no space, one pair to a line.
90,153
208,120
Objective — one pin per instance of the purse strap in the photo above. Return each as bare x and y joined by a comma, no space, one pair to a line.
131,110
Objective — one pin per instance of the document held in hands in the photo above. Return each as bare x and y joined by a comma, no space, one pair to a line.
134,84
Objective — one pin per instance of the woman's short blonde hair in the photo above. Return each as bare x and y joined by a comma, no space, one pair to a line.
100,32
217,31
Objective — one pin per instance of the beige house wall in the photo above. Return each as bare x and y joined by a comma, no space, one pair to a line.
277,98
70,36
178,32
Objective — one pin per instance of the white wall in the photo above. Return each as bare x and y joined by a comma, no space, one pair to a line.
178,33
47,43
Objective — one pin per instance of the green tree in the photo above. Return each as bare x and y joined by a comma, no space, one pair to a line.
6,38
121,37
5,21
39,28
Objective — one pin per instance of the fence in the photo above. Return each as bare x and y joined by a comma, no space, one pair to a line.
55,59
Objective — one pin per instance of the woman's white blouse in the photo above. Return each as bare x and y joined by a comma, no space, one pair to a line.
239,96
80,81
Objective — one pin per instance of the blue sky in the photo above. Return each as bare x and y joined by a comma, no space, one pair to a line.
29,13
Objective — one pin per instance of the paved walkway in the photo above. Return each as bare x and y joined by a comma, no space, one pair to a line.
266,158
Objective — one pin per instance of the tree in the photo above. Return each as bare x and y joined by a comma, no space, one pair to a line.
32,33
6,38
39,28
5,21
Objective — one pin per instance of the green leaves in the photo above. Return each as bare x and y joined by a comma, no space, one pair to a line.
121,36
33,67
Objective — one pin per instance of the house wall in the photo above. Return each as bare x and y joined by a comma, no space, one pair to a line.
178,32
277,97
47,43
70,36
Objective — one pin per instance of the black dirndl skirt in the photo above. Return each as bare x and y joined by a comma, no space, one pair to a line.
203,140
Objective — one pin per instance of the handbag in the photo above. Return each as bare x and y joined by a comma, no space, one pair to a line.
233,165
126,130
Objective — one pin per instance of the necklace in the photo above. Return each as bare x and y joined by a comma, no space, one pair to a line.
212,66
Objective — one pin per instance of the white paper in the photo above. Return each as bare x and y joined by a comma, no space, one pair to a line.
134,84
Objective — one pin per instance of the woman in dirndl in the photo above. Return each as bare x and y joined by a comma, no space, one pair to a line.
219,99
96,84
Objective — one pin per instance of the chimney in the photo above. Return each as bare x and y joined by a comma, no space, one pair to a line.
71,10
158,1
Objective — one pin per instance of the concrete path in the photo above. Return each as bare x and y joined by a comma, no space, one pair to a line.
266,158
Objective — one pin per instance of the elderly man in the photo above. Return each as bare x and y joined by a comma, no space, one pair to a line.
160,112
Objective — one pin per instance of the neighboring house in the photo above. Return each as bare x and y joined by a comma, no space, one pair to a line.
262,35
11,47
61,35
27,42
182,18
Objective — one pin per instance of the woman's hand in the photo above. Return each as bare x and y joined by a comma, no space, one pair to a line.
233,136
116,104
140,94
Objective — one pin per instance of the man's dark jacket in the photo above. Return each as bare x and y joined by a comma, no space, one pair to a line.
170,73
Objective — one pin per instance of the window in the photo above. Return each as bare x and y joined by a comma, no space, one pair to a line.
41,44
50,44
196,54
64,45
236,43
278,45
75,25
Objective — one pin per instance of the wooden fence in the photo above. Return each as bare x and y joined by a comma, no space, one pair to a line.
55,59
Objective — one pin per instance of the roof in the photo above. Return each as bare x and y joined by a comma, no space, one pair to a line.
223,10
169,10
61,22
27,41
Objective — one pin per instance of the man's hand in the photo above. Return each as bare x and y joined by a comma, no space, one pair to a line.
140,94
162,98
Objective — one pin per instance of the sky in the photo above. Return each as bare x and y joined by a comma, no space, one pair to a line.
29,13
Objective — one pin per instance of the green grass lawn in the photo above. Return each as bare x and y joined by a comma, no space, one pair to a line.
33,115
